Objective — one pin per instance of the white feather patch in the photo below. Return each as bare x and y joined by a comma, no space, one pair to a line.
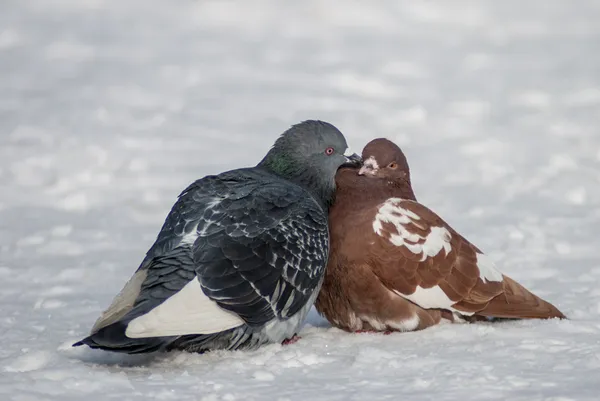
190,237
487,269
369,167
431,298
371,162
354,323
189,311
437,239
409,324
375,323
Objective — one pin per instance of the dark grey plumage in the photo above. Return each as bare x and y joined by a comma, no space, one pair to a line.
255,238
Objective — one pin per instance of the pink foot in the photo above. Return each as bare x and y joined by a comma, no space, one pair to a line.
292,340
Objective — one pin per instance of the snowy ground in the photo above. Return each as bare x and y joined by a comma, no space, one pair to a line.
108,109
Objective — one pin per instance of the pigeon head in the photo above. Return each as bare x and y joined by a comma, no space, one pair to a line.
383,159
309,154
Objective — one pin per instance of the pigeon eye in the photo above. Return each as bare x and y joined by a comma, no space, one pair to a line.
393,165
329,151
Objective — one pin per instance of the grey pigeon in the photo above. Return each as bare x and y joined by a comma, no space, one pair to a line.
240,258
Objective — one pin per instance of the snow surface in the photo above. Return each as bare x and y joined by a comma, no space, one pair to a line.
108,109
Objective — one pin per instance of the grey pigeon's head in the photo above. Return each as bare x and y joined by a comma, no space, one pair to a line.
310,154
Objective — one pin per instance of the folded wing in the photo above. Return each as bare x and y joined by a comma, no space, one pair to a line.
233,251
421,258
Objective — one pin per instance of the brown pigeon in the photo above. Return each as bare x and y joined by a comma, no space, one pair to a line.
395,265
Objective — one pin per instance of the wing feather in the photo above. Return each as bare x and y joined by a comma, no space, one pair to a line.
430,254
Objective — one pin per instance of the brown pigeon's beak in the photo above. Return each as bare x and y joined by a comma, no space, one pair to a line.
369,167
352,160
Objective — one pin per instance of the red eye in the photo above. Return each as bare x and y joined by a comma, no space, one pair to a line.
329,151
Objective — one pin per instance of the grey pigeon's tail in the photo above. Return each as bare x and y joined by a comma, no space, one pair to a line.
113,338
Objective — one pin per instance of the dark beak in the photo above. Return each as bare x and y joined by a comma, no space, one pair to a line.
353,160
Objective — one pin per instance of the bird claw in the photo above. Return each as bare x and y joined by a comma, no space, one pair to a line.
292,340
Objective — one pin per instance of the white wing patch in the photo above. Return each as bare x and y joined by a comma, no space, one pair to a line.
391,211
487,269
431,298
189,311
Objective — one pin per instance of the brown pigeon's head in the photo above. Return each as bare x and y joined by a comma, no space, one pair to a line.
383,159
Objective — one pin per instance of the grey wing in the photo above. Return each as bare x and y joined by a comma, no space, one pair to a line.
268,273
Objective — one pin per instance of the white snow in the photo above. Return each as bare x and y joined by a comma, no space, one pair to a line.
108,110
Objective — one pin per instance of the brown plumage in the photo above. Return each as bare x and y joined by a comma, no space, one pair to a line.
396,265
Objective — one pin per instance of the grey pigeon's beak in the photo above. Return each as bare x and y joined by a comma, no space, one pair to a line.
352,159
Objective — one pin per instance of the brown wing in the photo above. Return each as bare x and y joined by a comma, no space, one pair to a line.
419,256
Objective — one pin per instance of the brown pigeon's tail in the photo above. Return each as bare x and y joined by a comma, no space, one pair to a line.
518,302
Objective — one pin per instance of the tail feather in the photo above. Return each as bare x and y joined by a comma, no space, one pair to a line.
113,338
518,302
